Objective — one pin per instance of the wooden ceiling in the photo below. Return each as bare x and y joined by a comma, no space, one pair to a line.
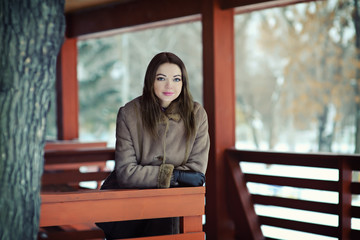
75,5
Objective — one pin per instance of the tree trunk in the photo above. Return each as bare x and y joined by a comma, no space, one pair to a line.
31,34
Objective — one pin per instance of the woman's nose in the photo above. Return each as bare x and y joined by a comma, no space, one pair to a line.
168,83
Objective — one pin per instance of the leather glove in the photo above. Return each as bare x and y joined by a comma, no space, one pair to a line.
187,178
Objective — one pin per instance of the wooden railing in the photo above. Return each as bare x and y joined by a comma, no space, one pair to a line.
59,209
241,202
63,166
70,213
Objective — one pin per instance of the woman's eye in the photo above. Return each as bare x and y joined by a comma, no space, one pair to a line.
160,78
177,79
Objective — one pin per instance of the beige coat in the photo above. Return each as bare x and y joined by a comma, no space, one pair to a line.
144,162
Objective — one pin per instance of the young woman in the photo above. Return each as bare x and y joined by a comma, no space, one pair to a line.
162,141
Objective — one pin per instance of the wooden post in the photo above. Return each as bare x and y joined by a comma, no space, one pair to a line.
219,102
345,175
67,92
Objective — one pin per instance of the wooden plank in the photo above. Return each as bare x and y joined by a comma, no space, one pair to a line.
293,182
117,205
71,166
191,224
355,212
355,234
291,159
91,234
219,102
72,176
128,14
71,235
67,91
255,5
67,145
54,197
296,204
78,155
183,236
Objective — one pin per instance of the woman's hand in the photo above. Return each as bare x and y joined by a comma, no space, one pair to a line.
187,178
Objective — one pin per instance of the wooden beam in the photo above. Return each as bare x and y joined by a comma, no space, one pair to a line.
128,14
252,5
59,208
219,102
67,92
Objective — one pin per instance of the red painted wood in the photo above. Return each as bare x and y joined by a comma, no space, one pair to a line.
71,234
128,14
240,204
345,173
101,165
56,157
110,205
219,102
68,145
191,224
119,194
345,164
67,92
252,5
71,177
184,236
330,208
293,182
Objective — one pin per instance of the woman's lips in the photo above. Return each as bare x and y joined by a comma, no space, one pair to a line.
168,93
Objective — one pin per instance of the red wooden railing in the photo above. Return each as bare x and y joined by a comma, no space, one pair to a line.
70,213
241,202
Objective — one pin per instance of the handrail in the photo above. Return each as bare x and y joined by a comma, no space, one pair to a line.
345,164
66,208
88,207
78,155
62,166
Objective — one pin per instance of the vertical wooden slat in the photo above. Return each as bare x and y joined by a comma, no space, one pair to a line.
219,102
345,174
191,224
67,92
241,205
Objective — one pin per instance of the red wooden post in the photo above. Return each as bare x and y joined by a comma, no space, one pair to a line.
67,92
219,102
345,175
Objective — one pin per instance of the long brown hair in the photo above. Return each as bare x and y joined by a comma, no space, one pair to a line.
150,104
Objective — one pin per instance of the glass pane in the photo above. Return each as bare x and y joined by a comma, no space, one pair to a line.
297,78
111,72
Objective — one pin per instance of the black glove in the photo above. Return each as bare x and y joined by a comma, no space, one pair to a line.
187,178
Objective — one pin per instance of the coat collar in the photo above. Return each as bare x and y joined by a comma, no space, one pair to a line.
172,112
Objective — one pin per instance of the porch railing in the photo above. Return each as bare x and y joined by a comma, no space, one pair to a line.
70,212
249,223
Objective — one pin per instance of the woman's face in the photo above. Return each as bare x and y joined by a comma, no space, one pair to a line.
168,83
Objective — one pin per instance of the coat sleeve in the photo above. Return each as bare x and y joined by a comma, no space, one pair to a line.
199,151
130,173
